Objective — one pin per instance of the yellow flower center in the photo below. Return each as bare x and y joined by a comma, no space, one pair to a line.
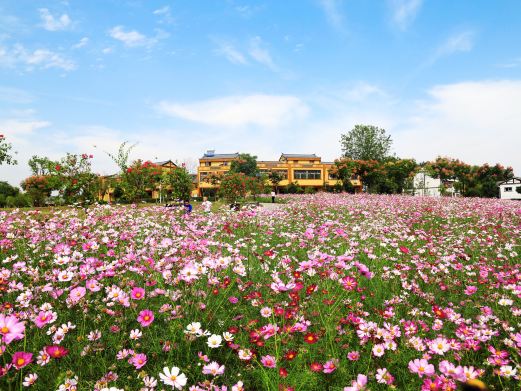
20,362
4,330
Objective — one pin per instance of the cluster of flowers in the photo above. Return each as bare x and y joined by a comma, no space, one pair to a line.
355,292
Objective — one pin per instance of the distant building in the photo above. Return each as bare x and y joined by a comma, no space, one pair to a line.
508,189
426,185
306,170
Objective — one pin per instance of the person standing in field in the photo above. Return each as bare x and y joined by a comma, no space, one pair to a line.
272,197
207,205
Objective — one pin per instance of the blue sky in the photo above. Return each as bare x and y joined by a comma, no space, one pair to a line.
265,77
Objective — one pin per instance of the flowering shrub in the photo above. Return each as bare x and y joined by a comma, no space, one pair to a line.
330,292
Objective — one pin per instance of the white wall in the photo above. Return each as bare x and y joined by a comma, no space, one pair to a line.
509,195
425,185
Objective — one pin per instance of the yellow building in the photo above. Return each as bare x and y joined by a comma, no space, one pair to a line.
306,170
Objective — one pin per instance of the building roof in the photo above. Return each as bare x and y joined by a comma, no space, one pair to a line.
300,155
164,162
217,156
513,179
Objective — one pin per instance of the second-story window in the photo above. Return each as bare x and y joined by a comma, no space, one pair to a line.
207,164
307,174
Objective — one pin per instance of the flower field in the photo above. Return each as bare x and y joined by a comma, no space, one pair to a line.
330,292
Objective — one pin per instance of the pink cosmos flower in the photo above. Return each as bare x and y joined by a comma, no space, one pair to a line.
137,293
470,290
43,318
145,318
11,328
93,285
56,351
138,360
77,294
358,384
353,356
213,369
269,361
421,367
330,366
22,359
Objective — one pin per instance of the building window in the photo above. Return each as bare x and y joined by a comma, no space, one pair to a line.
307,174
207,164
508,189
225,163
283,173
311,161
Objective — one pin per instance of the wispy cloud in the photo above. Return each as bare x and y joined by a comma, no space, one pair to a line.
133,38
334,15
52,23
15,95
261,54
515,63
460,42
404,12
164,14
228,50
36,59
237,111
83,42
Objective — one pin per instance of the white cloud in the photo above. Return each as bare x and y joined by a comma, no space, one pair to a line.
164,14
236,111
83,42
460,42
334,16
511,64
13,128
261,54
404,12
133,38
232,54
51,23
476,122
39,58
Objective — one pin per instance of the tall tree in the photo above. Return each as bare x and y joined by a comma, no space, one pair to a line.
246,164
275,177
366,142
5,152
179,181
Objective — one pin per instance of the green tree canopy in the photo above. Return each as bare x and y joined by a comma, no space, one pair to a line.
246,164
179,181
5,152
366,142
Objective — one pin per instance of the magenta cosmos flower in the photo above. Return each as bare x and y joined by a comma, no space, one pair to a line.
137,293
21,359
138,360
269,361
421,367
145,318
11,328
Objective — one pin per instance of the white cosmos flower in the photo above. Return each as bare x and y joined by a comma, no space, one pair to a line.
172,377
214,341
228,337
193,328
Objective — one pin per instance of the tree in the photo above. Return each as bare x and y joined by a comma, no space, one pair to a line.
344,170
255,186
5,148
275,177
140,178
366,142
78,183
398,174
233,186
246,164
40,187
41,165
6,190
179,181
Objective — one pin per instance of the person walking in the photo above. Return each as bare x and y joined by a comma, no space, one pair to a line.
272,197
